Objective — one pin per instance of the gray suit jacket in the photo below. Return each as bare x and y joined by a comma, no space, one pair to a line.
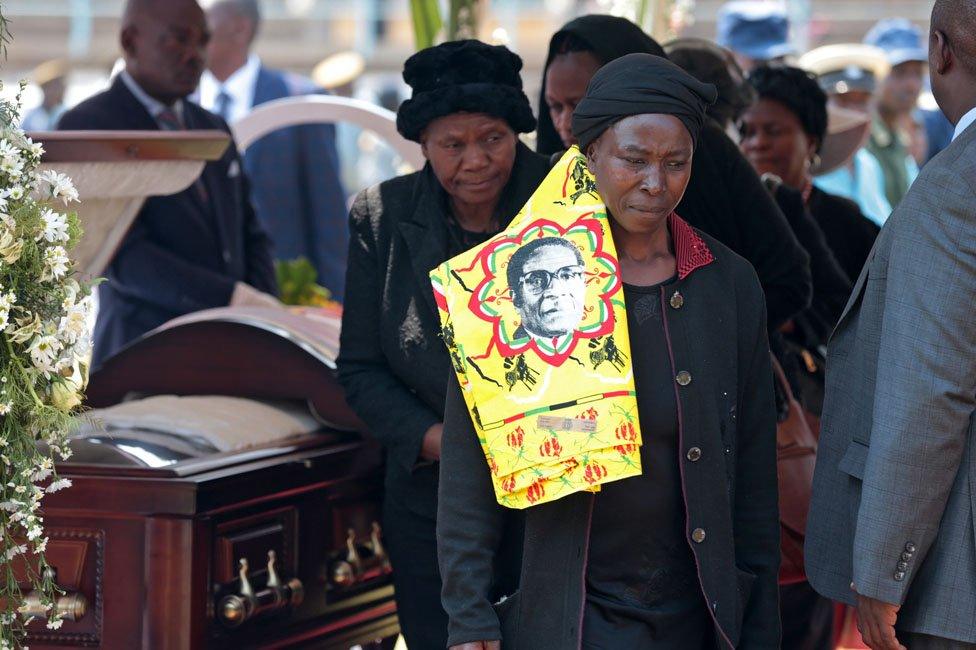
893,493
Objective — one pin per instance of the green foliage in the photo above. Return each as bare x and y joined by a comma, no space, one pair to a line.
297,286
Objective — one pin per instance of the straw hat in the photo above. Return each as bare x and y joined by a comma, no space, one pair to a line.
339,69
49,71
847,131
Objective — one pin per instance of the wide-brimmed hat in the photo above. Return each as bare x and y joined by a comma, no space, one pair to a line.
463,76
847,130
759,30
845,67
339,69
49,71
900,39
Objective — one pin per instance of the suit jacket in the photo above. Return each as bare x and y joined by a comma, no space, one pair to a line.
392,361
181,255
294,175
894,492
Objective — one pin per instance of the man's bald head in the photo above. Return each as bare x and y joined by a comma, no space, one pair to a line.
165,46
957,20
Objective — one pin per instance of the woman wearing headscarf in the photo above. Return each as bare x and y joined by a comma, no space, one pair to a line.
466,109
725,197
685,554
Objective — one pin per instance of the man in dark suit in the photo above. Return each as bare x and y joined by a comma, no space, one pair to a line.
194,250
294,172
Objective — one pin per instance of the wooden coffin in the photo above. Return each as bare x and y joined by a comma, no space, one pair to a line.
150,539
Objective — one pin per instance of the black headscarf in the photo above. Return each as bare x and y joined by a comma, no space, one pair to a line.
636,84
608,38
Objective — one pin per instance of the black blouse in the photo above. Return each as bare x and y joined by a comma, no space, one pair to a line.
641,579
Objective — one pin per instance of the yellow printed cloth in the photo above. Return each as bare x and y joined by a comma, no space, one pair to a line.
535,323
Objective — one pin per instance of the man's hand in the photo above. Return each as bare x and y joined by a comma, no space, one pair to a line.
478,645
876,623
247,296
430,449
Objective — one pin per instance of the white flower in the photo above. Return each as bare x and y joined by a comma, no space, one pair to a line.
34,532
55,227
55,623
14,551
5,407
36,148
55,263
73,325
44,351
40,546
7,301
60,185
17,192
12,167
60,484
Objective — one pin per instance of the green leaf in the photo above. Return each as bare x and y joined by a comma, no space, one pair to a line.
427,22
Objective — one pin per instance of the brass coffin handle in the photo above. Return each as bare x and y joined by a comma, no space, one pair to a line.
376,544
71,606
234,609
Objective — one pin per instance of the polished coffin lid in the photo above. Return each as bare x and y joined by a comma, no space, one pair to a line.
216,388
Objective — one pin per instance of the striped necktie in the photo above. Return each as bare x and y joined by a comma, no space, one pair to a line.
168,120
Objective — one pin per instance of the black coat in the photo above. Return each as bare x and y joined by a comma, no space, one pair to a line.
392,361
181,254
719,336
849,233
726,199
831,285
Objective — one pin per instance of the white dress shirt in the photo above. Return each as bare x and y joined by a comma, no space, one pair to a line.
239,86
153,105
965,121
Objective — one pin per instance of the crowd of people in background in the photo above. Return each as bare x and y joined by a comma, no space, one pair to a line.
801,182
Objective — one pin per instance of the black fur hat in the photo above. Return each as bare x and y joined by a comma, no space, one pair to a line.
463,76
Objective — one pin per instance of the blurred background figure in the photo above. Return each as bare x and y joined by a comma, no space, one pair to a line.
716,65
898,137
294,172
848,73
51,77
755,32
782,134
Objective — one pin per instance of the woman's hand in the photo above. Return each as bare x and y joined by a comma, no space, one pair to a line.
478,645
430,449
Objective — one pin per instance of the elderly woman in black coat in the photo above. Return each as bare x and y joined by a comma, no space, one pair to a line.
466,109
686,554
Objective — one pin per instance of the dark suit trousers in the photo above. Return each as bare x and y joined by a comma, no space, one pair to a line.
916,641
411,540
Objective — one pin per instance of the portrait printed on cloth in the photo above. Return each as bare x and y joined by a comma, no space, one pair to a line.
535,323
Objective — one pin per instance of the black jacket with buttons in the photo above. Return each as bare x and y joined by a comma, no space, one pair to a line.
726,414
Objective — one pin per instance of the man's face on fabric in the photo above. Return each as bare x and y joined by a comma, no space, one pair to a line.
165,48
551,291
